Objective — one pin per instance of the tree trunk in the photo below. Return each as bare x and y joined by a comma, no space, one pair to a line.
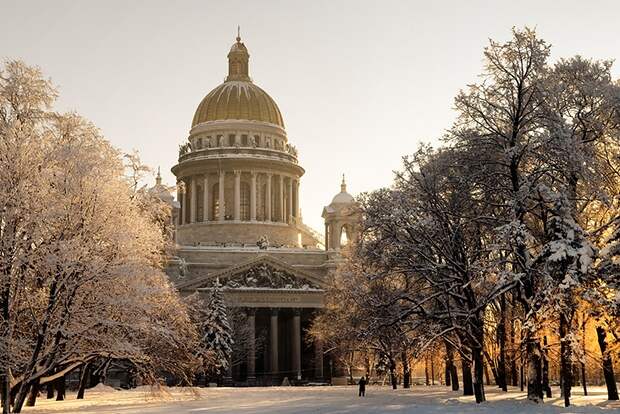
566,366
514,374
452,376
406,370
478,358
50,390
84,376
487,377
468,388
534,370
455,377
426,374
60,389
608,365
583,361
20,397
432,370
502,382
393,374
34,393
490,364
583,378
5,393
521,375
545,369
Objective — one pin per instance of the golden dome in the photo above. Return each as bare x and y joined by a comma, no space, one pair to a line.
238,100
238,97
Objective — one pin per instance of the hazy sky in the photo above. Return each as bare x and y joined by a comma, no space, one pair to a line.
359,84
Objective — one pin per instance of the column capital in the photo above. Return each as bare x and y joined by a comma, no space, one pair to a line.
275,311
253,173
297,311
237,172
250,311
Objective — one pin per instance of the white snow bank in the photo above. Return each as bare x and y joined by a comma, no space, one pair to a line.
306,400
101,388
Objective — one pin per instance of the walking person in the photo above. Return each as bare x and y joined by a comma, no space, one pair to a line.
362,384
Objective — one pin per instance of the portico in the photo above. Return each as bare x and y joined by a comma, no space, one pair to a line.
284,349
279,303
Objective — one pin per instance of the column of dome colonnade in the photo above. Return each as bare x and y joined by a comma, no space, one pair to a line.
259,201
238,175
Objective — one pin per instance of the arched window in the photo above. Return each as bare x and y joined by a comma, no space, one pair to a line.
200,210
199,143
275,205
262,208
245,201
344,236
215,203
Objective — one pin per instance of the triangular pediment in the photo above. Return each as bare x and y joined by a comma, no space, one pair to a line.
264,271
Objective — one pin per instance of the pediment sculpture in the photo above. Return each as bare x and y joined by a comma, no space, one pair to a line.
265,276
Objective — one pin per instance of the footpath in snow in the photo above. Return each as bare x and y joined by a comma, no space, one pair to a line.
306,400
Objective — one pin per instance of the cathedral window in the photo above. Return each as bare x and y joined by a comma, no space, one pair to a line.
245,201
215,204
199,203
344,236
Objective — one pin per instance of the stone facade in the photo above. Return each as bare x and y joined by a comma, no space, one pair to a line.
238,222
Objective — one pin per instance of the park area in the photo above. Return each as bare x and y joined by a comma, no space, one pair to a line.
305,400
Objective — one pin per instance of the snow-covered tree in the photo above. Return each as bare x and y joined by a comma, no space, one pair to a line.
509,231
216,334
81,265
499,130
583,128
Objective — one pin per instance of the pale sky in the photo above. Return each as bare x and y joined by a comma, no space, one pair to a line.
359,84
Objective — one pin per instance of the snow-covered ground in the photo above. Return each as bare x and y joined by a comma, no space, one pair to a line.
305,400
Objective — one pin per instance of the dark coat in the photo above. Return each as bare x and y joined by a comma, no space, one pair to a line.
362,383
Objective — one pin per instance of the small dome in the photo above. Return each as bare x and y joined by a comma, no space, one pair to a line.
238,100
343,197
160,191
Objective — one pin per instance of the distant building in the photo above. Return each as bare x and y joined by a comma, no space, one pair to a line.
239,221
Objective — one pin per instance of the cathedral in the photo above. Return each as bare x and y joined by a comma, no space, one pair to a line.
238,224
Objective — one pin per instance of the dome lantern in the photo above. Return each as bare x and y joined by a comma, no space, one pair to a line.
238,61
